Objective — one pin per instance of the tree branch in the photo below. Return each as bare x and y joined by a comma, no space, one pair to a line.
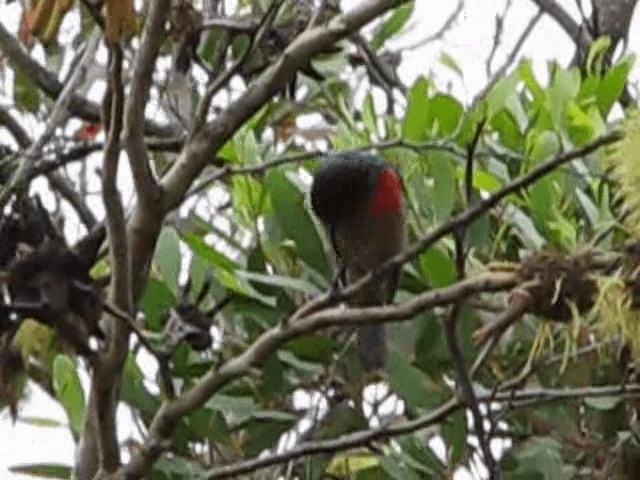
106,376
267,343
49,84
568,24
519,399
146,186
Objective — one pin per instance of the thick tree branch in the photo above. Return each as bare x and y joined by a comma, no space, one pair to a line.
145,184
19,134
265,345
106,376
568,24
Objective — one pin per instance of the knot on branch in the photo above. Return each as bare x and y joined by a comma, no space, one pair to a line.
554,283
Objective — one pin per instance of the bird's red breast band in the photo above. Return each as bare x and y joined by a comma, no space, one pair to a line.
387,197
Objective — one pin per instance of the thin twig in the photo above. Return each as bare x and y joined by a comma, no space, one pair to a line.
439,34
218,83
462,377
502,71
49,84
56,116
438,145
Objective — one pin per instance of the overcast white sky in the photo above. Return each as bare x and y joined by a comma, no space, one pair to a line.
469,42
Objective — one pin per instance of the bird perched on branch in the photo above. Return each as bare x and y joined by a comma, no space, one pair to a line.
359,199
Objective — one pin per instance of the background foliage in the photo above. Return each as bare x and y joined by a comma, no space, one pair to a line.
556,395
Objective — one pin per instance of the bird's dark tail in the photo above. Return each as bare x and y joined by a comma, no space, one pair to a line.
372,347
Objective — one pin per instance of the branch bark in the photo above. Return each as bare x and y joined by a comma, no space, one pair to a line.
146,186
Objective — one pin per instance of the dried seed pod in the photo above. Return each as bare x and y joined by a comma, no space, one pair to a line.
556,282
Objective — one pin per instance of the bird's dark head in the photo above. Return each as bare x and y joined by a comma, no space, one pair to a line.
345,185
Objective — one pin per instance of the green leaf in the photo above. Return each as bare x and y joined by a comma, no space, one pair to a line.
409,382
397,470
176,468
454,431
416,119
236,410
168,257
295,220
66,384
445,114
346,465
595,56
43,470
133,391
393,25
41,422
156,302
525,228
444,188
437,267
612,84
26,96
525,72
485,181
450,62
369,117
603,403
496,99
317,349
281,281
208,253
542,456
565,86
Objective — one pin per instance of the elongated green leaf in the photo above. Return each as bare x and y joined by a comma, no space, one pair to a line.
416,119
393,25
68,388
43,470
295,220
168,257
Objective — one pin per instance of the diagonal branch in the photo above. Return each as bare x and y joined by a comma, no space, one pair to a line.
56,116
265,345
51,86
568,24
